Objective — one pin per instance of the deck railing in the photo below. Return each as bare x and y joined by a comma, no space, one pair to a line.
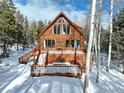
83,49
59,70
24,59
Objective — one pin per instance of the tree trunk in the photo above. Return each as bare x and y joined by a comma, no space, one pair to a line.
110,37
98,57
86,82
99,38
17,46
23,47
5,50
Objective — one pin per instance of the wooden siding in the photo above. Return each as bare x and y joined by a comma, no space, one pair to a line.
60,39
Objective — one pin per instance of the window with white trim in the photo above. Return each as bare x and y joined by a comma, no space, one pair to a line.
56,27
65,27
73,43
50,43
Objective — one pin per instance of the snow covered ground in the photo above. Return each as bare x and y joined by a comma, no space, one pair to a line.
15,78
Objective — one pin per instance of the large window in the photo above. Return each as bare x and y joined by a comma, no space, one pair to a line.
54,29
57,29
61,27
50,43
66,28
73,43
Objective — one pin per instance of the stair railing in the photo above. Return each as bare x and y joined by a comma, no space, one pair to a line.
24,59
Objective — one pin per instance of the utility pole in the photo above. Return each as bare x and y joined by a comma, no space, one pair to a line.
110,36
86,82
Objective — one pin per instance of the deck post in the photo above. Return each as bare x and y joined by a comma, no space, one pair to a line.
75,57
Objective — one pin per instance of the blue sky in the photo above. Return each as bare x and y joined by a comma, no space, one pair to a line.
24,2
46,10
78,4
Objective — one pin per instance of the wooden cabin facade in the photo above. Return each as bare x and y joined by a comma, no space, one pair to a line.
61,50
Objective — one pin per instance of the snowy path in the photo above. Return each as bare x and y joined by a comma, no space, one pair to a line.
15,78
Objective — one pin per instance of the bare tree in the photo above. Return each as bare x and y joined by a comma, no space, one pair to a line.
110,36
100,8
86,83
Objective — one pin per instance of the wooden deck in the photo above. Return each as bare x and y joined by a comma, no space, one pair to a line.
56,70
44,62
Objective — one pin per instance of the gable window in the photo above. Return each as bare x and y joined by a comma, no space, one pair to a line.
54,29
57,29
50,43
65,28
68,29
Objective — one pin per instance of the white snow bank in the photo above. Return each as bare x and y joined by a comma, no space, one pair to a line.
13,59
112,82
16,79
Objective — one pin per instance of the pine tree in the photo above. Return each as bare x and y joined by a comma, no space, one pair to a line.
118,38
19,28
33,32
40,25
26,36
7,26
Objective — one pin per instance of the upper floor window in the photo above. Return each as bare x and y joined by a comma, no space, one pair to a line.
65,27
61,27
68,29
57,29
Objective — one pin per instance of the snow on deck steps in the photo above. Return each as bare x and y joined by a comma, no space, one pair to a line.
42,59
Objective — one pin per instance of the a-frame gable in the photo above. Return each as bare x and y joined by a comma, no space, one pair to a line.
55,20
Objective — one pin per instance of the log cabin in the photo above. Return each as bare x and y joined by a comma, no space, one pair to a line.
60,51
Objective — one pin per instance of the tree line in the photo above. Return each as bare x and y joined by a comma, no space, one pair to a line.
117,52
15,28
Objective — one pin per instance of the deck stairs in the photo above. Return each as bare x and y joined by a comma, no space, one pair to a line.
42,58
